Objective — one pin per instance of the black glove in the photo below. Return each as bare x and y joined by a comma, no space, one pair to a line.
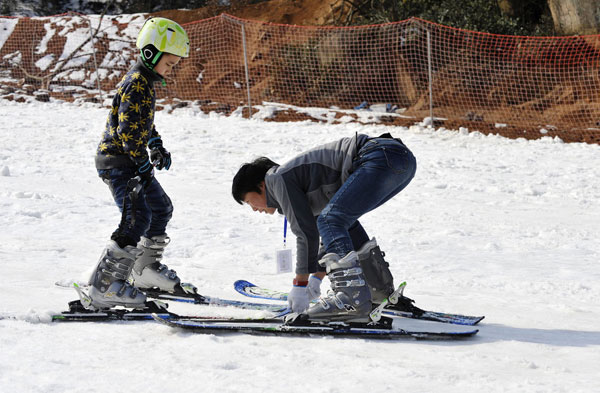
146,173
159,154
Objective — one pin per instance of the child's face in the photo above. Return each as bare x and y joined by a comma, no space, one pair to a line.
166,64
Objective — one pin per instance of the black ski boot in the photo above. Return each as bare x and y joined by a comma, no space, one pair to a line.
376,271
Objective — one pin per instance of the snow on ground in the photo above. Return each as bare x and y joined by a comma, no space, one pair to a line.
505,228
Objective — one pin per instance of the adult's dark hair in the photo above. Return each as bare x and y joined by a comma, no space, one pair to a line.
249,177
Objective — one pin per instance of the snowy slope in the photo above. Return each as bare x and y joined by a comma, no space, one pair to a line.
41,8
505,228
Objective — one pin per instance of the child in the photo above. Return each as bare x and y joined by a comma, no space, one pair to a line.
136,247
322,193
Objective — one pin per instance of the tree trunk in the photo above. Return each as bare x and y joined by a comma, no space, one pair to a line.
507,7
573,17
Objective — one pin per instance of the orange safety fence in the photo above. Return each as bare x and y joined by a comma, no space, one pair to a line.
395,73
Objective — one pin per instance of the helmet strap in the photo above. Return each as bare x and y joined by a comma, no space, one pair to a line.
150,56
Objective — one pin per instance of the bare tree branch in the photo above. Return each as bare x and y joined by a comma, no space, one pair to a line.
60,66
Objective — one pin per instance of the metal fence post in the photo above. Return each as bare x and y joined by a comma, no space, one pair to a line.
95,61
430,78
246,69
243,26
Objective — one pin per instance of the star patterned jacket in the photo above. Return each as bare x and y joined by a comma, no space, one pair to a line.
130,123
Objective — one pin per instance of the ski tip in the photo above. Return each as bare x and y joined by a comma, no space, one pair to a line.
468,334
243,284
474,320
445,335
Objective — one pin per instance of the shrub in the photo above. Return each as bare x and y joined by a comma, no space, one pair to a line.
531,17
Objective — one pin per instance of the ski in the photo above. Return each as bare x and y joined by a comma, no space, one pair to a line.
78,313
187,293
276,327
403,307
195,298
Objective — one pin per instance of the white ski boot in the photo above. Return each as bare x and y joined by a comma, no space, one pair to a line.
108,284
376,271
148,272
349,299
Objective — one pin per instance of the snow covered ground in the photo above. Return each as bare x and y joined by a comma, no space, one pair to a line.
505,228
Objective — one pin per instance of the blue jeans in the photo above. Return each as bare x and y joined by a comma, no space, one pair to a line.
382,168
153,206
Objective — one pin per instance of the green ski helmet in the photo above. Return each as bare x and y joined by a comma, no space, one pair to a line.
161,35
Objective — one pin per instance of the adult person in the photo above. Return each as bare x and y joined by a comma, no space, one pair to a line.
323,192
